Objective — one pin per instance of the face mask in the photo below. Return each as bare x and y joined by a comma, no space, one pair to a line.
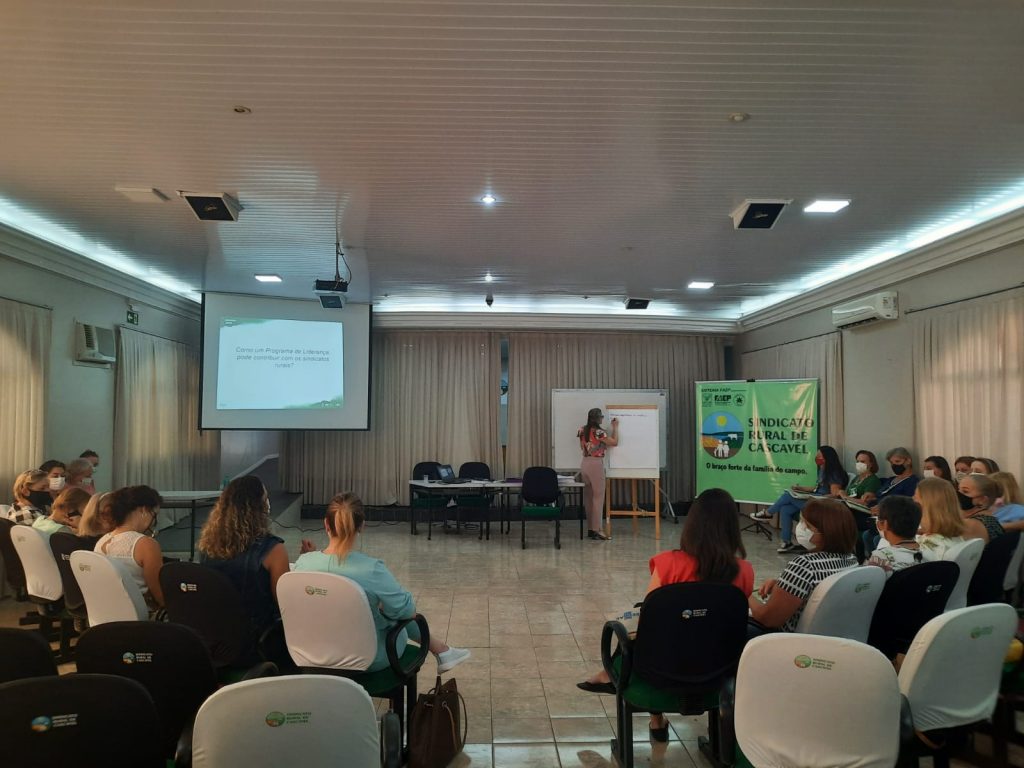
965,502
960,476
861,467
86,481
819,461
897,469
929,473
804,535
39,499
56,483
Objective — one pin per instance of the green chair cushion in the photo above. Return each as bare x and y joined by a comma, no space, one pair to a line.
383,681
644,696
541,513
429,502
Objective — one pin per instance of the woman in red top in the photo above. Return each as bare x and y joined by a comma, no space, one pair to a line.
710,549
593,442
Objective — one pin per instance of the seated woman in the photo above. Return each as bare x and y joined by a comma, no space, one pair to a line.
866,480
942,528
31,497
65,513
389,602
898,521
133,512
710,549
962,467
1009,507
829,534
832,480
95,519
56,475
903,481
937,466
983,493
982,466
80,475
237,541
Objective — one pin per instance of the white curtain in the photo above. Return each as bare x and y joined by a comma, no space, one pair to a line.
157,441
819,358
540,362
24,360
435,398
968,367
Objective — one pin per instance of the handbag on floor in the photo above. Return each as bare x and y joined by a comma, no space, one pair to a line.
437,727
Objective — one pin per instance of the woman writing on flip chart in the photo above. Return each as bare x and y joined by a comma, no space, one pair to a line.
593,443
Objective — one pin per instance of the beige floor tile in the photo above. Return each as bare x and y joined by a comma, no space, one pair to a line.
503,706
581,729
474,756
479,728
517,686
584,705
579,669
526,756
515,670
522,730
588,755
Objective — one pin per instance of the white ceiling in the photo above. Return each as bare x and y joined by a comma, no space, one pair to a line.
601,127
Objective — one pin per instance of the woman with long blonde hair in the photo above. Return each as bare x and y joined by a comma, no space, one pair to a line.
95,519
1009,507
389,601
942,527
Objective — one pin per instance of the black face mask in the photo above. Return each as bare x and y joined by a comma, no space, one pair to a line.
40,499
898,469
966,502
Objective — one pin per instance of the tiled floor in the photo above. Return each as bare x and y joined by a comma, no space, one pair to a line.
533,620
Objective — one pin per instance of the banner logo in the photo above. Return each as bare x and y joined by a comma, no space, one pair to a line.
721,435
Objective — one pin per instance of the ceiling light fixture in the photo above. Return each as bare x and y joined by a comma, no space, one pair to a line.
826,206
700,285
241,109
269,278
738,117
488,199
488,278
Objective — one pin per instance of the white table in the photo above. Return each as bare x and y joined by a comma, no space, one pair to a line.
504,488
191,501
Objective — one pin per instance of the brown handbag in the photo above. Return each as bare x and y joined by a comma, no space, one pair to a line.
435,735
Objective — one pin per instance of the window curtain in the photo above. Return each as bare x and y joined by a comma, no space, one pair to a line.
25,352
540,362
157,441
819,358
435,397
968,368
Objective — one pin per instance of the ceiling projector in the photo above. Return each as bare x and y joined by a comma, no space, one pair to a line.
331,293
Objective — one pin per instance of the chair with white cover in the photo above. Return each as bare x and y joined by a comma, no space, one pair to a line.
43,585
110,594
312,720
323,630
814,700
966,555
842,604
951,674
1012,578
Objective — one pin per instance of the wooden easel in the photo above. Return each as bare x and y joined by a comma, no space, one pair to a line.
634,511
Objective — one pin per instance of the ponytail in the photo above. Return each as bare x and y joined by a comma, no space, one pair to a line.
345,518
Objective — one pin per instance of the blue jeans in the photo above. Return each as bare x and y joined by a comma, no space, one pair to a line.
788,510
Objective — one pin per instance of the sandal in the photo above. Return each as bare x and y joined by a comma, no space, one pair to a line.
659,734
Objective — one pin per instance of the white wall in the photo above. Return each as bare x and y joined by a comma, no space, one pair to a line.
877,378
241,450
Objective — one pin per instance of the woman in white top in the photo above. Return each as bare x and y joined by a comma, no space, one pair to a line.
132,512
941,525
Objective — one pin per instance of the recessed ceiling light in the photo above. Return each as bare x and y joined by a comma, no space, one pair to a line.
826,206
488,199
269,278
738,117
700,285
241,109
488,278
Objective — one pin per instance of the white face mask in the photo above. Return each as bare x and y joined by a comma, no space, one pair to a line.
929,473
56,483
961,475
86,481
804,536
861,467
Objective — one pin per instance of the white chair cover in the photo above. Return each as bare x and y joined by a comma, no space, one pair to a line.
1012,577
965,555
808,700
952,670
327,621
42,578
110,593
313,721
842,604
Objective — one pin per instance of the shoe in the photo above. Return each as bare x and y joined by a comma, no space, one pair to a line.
787,546
659,734
761,515
597,536
448,660
590,687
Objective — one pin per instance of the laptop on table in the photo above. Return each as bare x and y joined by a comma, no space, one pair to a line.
447,475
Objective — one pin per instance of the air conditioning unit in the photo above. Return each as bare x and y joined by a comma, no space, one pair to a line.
94,345
869,309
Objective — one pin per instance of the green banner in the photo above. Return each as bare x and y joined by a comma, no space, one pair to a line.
756,438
